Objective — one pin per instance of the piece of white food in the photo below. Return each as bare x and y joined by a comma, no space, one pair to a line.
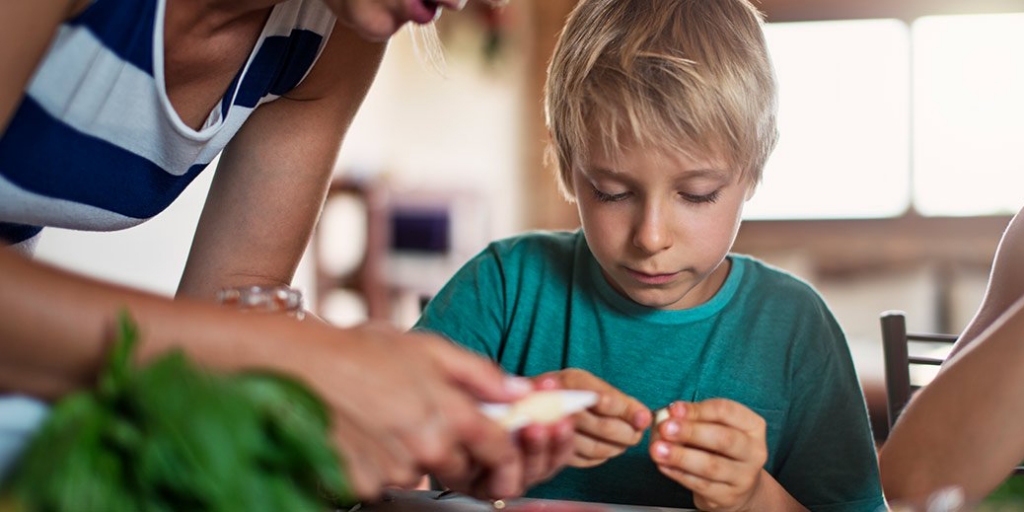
539,407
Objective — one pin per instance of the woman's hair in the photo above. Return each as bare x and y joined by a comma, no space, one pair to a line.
674,76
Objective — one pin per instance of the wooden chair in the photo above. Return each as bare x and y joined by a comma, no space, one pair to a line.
898,362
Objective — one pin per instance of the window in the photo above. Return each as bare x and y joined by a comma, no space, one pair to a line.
877,117
843,116
969,114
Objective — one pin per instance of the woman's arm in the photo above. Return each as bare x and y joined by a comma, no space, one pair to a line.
963,428
258,218
272,179
399,403
1005,284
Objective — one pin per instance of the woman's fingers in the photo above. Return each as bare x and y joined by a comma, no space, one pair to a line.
546,449
475,375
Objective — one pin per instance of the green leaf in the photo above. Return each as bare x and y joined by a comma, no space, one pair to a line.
171,436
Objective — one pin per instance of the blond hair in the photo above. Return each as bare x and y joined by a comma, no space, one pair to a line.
689,76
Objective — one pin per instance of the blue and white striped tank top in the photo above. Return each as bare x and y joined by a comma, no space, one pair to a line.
96,144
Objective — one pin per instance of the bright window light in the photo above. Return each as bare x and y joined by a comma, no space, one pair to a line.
844,108
968,114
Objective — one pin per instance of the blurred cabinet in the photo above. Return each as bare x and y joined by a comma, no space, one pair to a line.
350,248
381,252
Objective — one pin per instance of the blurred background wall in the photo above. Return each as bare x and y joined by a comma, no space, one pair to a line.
895,175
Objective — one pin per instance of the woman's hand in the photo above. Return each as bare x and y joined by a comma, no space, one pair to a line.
406,404
717,449
606,429
546,448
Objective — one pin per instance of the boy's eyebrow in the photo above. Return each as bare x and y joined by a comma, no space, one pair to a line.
689,174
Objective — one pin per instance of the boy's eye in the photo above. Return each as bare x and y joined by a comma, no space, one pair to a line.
608,198
700,199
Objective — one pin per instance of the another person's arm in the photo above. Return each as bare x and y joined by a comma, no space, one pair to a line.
963,429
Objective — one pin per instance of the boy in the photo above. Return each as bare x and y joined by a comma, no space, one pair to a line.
662,114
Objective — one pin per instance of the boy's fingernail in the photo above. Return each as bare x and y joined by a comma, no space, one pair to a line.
641,419
518,385
671,428
661,451
678,409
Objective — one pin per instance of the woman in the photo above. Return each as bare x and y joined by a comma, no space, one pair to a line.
109,108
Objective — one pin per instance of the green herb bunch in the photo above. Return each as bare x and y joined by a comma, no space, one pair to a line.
170,437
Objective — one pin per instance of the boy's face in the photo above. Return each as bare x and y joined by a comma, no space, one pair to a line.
660,225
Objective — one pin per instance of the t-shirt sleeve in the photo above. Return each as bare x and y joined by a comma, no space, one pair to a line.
470,308
830,463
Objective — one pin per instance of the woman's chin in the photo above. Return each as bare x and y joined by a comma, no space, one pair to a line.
376,30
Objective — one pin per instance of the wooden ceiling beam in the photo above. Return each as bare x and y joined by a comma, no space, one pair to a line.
811,10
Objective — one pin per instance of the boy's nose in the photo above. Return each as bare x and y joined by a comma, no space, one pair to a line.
652,233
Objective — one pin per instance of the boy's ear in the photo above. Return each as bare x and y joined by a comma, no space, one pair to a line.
751,188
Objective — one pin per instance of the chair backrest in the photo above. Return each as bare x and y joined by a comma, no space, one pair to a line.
898,361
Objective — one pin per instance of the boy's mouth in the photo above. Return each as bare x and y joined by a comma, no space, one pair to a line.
650,279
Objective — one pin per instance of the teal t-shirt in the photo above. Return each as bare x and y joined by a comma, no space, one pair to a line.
538,302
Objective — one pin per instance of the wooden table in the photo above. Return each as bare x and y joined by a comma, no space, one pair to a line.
431,501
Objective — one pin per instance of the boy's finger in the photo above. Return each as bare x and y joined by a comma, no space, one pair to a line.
587,448
710,490
720,410
630,410
611,401
714,437
697,462
609,429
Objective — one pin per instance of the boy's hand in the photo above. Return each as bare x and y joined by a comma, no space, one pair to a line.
715,448
606,429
